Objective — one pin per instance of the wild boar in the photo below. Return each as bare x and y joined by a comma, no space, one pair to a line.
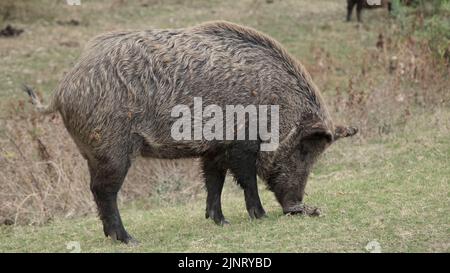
117,103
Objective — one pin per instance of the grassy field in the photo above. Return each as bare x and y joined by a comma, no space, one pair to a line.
393,192
391,184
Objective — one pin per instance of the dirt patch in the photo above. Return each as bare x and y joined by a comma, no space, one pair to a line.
10,31
71,22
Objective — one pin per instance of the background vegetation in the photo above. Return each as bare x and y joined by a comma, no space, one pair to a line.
389,76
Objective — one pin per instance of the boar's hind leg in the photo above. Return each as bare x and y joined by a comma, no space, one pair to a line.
350,5
107,175
243,166
214,173
359,7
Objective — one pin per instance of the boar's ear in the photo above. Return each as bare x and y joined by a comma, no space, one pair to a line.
316,132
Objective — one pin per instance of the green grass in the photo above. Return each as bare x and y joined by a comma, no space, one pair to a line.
394,192
393,189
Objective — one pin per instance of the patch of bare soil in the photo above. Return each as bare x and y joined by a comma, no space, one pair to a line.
10,31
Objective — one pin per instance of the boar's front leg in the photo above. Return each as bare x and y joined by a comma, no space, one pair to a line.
243,166
214,174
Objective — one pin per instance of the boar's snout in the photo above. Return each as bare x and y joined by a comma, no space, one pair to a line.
344,131
301,208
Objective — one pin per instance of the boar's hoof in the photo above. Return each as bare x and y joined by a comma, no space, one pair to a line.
302,209
256,213
221,222
217,218
132,241
124,238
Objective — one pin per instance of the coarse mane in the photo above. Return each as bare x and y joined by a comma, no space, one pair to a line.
250,35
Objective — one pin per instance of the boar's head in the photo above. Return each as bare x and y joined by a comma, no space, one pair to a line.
291,169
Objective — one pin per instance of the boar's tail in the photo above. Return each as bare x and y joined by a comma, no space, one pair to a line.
43,109
344,131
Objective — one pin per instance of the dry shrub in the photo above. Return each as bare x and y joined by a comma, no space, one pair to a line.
396,79
43,175
27,10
